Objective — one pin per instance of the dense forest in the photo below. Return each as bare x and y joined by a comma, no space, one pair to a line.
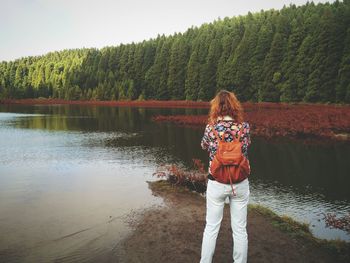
288,55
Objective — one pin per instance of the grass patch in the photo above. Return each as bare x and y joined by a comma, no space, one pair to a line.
166,187
339,248
284,223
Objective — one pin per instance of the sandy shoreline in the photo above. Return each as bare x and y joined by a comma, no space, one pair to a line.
173,234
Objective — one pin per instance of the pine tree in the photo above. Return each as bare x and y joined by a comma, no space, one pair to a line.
289,90
192,77
272,65
256,63
325,63
177,68
209,71
343,78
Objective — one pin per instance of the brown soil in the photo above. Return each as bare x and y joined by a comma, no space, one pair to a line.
174,234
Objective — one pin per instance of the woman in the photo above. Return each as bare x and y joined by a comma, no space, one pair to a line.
226,117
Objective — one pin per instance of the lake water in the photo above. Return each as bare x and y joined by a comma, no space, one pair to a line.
71,175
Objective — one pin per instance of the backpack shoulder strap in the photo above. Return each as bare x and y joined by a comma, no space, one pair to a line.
216,133
240,132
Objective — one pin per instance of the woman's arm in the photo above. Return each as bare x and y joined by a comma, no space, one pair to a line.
206,139
246,133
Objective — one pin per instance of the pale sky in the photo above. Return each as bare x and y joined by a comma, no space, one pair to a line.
35,27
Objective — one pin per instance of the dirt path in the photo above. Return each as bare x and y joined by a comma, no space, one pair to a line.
174,234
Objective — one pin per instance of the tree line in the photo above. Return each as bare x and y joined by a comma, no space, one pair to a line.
296,54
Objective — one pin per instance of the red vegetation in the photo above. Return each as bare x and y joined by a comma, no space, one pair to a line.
299,121
342,223
270,120
124,103
194,179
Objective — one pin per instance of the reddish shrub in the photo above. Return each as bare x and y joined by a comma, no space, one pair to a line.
194,179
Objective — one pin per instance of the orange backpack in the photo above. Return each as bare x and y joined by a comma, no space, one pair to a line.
229,164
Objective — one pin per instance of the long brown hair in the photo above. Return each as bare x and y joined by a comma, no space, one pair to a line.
225,103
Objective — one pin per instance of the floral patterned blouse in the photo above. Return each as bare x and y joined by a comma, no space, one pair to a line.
228,128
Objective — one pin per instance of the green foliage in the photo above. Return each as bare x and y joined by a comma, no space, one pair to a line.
288,55
177,69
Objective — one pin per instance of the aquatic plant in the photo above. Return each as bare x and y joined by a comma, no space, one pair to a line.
342,223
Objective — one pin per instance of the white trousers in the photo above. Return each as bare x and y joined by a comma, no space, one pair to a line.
216,195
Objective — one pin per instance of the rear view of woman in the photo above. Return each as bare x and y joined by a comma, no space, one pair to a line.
226,117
